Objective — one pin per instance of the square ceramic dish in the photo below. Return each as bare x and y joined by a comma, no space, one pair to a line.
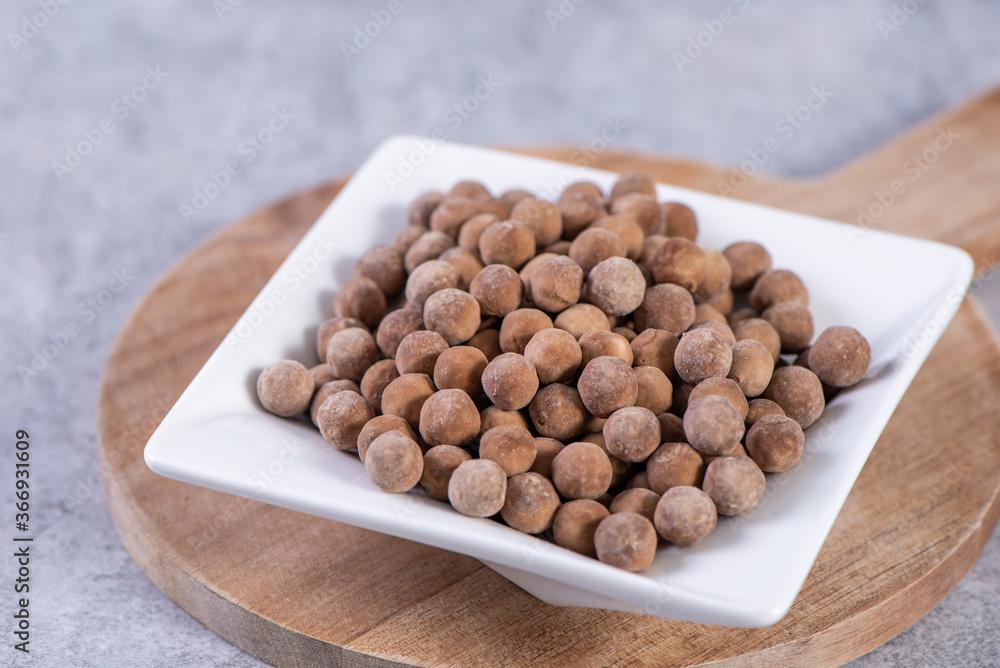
900,292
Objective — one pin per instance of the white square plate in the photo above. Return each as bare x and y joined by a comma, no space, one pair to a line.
899,292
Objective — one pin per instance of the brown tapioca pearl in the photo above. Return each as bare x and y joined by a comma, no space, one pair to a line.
581,318
703,312
760,330
758,408
799,393
285,388
575,524
406,395
531,503
341,418
507,242
741,314
321,374
409,234
491,417
626,540
328,328
379,425
466,262
684,515
439,463
701,354
621,470
350,352
428,247
605,499
420,210
626,333
594,245
665,306
556,283
775,443
394,462
510,446
487,341
326,390
794,325
581,471
752,367
680,262
599,343
427,279
712,425
748,260
802,359
471,229
498,289
723,303
607,384
735,484
656,392
633,182
720,327
718,275
681,393
519,326
449,215
632,434
473,190
650,245
840,356
557,411
558,248
616,286
725,388
588,187
541,217
671,428
639,481
394,328
477,488
376,379
594,426
777,285
579,210
360,298
510,381
680,220
449,417
674,464
452,313
627,230
513,196
528,270
555,354
460,368
545,451
418,352
643,209
494,206
656,347
383,264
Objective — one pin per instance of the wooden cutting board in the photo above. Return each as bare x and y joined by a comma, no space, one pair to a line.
297,590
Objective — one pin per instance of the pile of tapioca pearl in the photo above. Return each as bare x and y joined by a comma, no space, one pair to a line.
577,367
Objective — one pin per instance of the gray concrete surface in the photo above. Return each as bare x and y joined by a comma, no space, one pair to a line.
225,66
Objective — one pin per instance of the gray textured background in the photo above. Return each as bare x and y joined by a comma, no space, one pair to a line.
60,240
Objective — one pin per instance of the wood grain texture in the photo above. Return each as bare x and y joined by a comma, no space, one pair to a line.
296,590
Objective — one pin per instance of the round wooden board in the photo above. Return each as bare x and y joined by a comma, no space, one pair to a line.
297,590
